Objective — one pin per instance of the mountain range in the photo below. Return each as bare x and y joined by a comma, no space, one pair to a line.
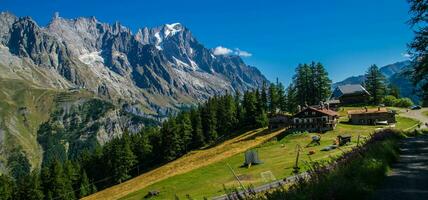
55,78
395,74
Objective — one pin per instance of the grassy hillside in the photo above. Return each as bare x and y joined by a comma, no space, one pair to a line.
189,162
278,157
22,109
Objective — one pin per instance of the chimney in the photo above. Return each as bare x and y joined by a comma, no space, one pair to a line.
378,108
366,108
328,106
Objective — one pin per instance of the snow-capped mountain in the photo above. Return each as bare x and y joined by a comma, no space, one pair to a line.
111,61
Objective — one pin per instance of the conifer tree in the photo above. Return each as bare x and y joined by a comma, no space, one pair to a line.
85,186
30,187
419,46
6,187
322,84
185,130
273,98
198,139
264,97
375,84
209,120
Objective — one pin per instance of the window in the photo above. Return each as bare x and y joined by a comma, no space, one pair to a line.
313,113
306,113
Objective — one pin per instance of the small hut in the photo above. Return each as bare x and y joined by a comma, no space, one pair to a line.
252,158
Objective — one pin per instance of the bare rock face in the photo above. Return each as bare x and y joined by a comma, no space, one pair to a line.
163,62
92,81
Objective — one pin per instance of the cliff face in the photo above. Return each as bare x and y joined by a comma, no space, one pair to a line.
52,78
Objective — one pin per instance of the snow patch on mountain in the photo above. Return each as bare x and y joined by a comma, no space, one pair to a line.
91,58
172,29
158,41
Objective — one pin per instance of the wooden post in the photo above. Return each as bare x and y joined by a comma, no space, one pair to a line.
358,140
236,177
296,165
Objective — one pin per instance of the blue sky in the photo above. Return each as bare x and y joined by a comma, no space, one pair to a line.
345,35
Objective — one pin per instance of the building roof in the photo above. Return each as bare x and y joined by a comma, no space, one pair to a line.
348,89
324,111
367,111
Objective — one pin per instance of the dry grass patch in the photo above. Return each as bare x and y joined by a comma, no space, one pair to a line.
189,162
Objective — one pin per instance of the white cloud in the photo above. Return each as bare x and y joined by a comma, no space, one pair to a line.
220,50
242,53
406,55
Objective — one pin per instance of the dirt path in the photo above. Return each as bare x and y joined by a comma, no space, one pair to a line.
189,162
409,177
416,114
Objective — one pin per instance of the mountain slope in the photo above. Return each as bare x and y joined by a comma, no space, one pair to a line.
51,76
394,74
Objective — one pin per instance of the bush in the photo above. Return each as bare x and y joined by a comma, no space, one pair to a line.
403,103
389,100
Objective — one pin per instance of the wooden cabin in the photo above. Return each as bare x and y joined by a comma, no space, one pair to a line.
279,120
315,119
373,116
351,94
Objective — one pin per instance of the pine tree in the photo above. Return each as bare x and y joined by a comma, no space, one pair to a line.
291,102
419,46
303,82
209,120
142,148
171,140
72,173
30,188
185,130
121,158
273,98
282,102
393,90
85,186
19,165
57,185
375,84
249,105
6,187
264,97
239,110
322,84
198,139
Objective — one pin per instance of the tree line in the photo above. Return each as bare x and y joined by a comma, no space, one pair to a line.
382,92
217,119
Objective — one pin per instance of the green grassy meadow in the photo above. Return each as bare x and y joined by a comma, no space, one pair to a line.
278,157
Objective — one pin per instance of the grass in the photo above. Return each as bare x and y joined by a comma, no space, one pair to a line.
356,175
189,162
278,158
23,107
425,113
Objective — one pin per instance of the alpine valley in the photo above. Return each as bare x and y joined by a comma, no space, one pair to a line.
80,82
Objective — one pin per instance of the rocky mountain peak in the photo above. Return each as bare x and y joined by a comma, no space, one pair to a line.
165,62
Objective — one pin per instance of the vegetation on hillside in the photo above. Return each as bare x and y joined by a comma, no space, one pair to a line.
354,175
419,46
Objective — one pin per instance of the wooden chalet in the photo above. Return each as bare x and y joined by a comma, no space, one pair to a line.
279,120
373,116
315,119
350,94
